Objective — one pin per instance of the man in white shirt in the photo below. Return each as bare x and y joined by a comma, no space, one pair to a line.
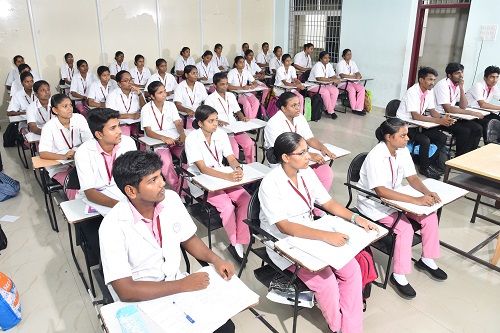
68,70
264,57
302,60
418,99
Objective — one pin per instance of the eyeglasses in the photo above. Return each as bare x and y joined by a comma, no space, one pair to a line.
302,153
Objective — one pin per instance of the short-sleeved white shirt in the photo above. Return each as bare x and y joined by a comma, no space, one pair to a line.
80,85
122,103
445,92
220,61
302,60
140,78
20,101
279,202
380,168
234,77
275,63
226,107
190,99
279,124
284,74
344,68
18,86
252,68
480,92
320,70
207,71
180,63
129,249
169,81
36,113
11,77
264,58
68,73
158,120
197,148
98,92
415,100
115,68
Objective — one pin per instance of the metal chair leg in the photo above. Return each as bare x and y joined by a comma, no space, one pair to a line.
476,206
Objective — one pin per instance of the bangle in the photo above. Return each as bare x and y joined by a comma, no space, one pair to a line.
353,218
239,166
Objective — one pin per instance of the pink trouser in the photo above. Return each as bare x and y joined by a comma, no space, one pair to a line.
168,170
265,92
82,108
232,205
325,174
339,295
329,94
129,130
60,177
250,105
301,99
404,237
189,122
244,140
356,93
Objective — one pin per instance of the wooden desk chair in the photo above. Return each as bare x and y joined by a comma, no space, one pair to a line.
385,244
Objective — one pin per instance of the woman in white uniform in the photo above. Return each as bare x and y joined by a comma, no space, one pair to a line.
219,60
287,76
347,69
140,73
189,94
80,86
100,89
183,60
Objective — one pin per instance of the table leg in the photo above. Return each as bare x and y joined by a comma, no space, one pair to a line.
496,255
447,170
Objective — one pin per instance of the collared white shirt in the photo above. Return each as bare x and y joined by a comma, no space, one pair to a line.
220,61
11,77
380,168
252,68
68,73
347,68
20,101
414,100
445,92
129,249
180,63
279,202
80,85
36,113
140,78
285,74
264,58
207,71
122,103
158,120
279,124
275,63
480,92
190,99
98,92
197,148
169,81
115,68
226,107
302,60
234,77
18,86
320,70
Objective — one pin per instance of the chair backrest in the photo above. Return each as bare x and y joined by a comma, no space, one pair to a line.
355,168
493,131
392,108
254,209
71,182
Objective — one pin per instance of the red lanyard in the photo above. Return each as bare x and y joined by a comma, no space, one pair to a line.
240,79
139,77
70,73
118,68
215,156
66,140
204,70
160,124
41,115
29,99
105,95
129,104
324,70
161,80
108,170
488,91
308,200
217,58
222,104
84,86
308,60
192,100
394,180
290,127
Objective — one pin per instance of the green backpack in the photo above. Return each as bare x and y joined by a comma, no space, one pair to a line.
307,108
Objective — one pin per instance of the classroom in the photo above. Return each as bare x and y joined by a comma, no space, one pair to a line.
250,166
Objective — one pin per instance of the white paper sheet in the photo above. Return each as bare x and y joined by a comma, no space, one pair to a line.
9,218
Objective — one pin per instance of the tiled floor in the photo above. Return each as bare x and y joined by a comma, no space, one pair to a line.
54,299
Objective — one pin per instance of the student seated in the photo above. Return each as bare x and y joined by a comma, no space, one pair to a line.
417,100
264,57
189,94
205,149
302,60
244,48
140,238
23,98
140,73
183,60
95,158
14,72
290,119
219,60
206,68
383,171
61,136
162,75
38,113
448,91
100,89
228,110
252,67
275,61
118,65
348,69
126,99
323,71
287,196
287,76
160,115
80,85
68,69
16,84
241,79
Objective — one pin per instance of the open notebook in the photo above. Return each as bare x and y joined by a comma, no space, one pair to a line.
213,184
339,152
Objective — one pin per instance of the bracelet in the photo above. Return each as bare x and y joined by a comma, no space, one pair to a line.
239,166
353,218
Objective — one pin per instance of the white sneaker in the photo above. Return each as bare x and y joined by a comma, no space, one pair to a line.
239,250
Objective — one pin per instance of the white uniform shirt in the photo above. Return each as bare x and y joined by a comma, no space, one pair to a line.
80,85
220,61
302,60
320,70
275,63
169,81
279,124
226,107
279,201
380,168
98,92
36,113
445,92
190,99
159,121
58,139
287,75
20,101
122,103
415,100
264,58
11,77
115,68
68,73
197,148
18,86
344,68
480,92
92,172
140,78
180,63
207,71
129,249
252,68
234,77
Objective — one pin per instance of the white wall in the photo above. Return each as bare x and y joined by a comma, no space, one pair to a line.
380,35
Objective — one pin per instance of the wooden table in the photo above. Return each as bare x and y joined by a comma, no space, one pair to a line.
479,173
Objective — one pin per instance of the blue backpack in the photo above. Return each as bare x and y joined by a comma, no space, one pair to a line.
9,187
